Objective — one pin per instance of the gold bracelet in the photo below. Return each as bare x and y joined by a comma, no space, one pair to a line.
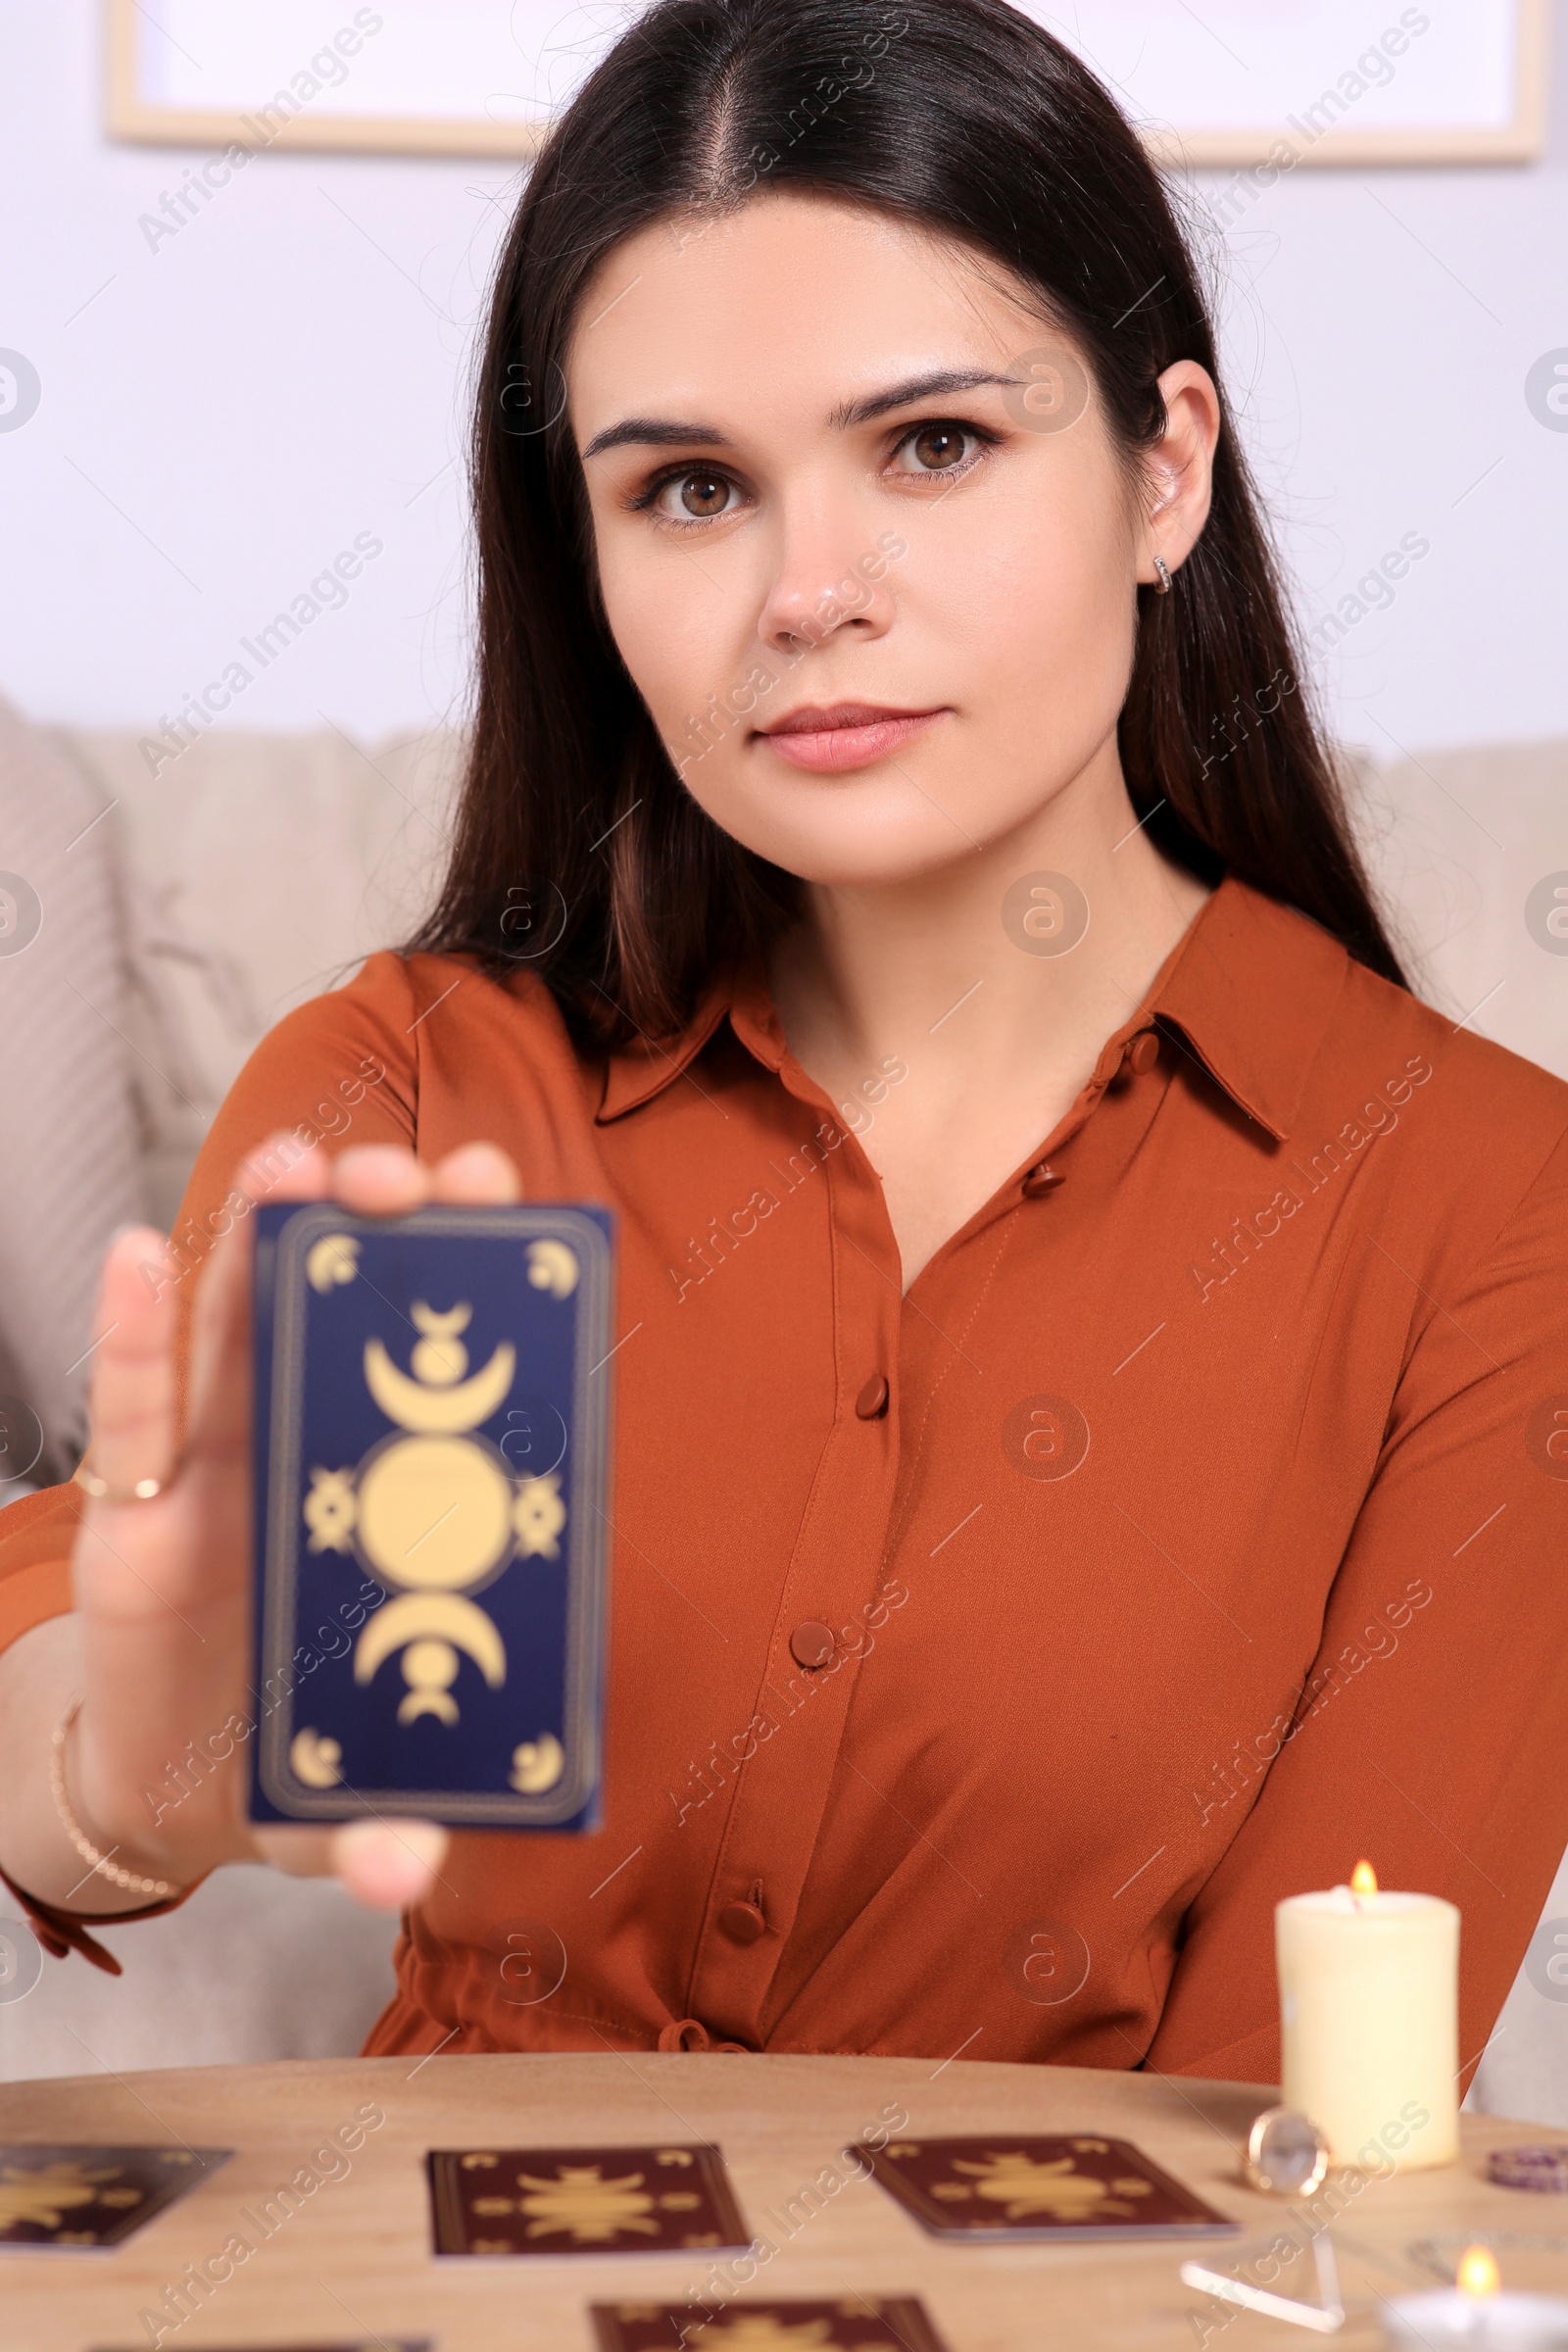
101,1863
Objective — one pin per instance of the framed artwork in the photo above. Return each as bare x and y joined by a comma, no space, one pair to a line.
410,77
1209,82
1215,82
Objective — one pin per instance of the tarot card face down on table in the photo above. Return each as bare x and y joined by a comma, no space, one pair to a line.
845,2324
1064,2186
73,2197
664,2199
431,1449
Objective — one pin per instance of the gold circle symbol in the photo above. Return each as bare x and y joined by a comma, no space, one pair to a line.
435,1513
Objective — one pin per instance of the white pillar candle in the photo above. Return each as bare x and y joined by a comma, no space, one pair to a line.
1369,2011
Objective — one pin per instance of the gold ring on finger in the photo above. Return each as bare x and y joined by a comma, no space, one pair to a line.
101,1491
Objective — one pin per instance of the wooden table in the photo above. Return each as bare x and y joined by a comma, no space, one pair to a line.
354,2263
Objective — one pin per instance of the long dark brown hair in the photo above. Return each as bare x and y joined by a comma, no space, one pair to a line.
578,853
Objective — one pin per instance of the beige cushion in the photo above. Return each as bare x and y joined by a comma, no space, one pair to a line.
260,870
246,875
70,1137
1457,840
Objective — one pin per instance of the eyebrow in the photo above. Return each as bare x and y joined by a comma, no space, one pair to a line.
665,432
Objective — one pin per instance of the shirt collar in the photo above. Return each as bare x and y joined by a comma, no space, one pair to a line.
1250,986
635,1073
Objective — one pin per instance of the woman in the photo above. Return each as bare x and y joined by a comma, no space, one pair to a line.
1085,1326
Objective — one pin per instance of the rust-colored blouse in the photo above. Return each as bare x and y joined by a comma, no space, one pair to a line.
986,1663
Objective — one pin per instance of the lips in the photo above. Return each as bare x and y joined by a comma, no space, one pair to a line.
845,735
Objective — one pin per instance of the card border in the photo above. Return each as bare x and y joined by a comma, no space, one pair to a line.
587,1597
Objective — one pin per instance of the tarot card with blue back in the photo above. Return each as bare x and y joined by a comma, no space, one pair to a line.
431,1454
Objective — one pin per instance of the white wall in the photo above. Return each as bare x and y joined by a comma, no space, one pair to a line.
220,417
229,411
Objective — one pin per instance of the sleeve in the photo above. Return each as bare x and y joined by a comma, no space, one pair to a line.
1428,1736
338,1071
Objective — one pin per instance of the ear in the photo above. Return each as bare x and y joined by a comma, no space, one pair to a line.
1178,468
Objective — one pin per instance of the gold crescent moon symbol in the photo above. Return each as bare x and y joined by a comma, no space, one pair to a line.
552,1268
537,1764
315,1761
446,1616
443,1411
334,1258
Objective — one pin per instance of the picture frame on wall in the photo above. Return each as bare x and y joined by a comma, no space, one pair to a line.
1211,84
415,77
1348,83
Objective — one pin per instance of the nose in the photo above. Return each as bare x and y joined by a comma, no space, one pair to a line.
830,575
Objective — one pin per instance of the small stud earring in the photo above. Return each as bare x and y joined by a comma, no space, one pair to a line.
1162,583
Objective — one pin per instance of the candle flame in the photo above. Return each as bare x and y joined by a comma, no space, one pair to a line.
1477,2273
1363,1879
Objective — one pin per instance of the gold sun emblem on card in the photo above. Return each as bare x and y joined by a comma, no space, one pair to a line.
46,2195
1025,2188
586,2206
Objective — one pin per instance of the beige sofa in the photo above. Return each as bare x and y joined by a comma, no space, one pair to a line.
178,916
183,911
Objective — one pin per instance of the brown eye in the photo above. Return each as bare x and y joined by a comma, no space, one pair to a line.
703,493
941,447
937,445
700,494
